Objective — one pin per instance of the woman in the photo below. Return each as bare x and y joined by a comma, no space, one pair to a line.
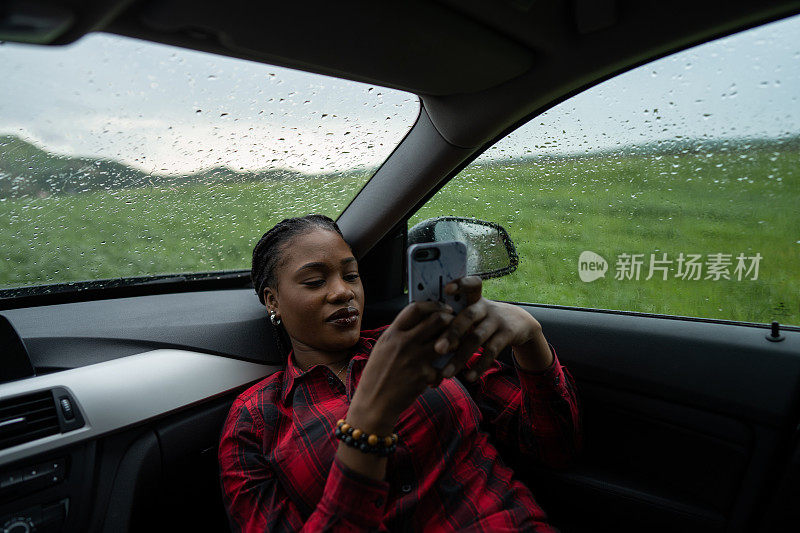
360,432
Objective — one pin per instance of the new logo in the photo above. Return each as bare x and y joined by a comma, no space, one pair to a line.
591,266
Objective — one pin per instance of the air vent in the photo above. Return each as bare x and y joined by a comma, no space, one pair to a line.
27,418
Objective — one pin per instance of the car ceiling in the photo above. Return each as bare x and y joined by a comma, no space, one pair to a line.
441,48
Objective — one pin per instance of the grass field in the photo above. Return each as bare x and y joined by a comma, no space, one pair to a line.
733,202
135,232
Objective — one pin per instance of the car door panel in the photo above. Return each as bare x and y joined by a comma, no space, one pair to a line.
686,423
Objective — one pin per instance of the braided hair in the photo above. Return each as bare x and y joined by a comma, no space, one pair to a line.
267,253
267,256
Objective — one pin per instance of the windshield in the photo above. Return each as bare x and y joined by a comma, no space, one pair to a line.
123,158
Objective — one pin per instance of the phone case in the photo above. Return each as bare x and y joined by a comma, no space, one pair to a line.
428,277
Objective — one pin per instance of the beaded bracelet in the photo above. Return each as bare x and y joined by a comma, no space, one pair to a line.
356,438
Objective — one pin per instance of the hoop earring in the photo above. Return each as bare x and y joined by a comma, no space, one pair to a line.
274,318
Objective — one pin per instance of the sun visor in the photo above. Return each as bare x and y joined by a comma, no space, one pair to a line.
420,47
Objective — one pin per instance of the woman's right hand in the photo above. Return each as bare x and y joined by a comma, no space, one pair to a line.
399,367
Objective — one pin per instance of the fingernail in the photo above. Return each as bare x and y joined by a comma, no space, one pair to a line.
471,375
448,371
441,346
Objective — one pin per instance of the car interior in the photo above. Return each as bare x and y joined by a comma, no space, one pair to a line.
113,395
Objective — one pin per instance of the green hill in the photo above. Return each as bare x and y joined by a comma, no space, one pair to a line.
29,171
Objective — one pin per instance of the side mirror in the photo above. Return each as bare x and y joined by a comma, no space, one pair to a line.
490,252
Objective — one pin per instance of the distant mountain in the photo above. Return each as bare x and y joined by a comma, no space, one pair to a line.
27,170
675,146
686,145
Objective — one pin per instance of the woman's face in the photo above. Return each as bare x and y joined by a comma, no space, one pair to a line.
319,296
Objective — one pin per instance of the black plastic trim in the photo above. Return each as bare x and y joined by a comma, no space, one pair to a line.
82,291
762,325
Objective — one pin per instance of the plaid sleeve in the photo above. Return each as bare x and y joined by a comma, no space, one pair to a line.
256,502
358,500
539,410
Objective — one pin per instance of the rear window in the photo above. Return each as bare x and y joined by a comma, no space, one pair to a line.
123,158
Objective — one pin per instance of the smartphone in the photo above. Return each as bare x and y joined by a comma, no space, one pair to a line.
431,266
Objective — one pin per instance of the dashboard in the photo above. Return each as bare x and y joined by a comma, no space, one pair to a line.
88,448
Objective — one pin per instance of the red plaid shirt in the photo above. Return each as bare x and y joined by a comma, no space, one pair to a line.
279,471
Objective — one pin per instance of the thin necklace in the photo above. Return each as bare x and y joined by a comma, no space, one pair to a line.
339,373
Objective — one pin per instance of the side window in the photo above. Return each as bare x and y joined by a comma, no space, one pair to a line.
671,189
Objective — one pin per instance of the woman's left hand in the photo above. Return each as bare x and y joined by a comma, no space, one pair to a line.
493,325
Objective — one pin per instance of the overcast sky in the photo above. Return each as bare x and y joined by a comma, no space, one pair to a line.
167,110
170,110
744,85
